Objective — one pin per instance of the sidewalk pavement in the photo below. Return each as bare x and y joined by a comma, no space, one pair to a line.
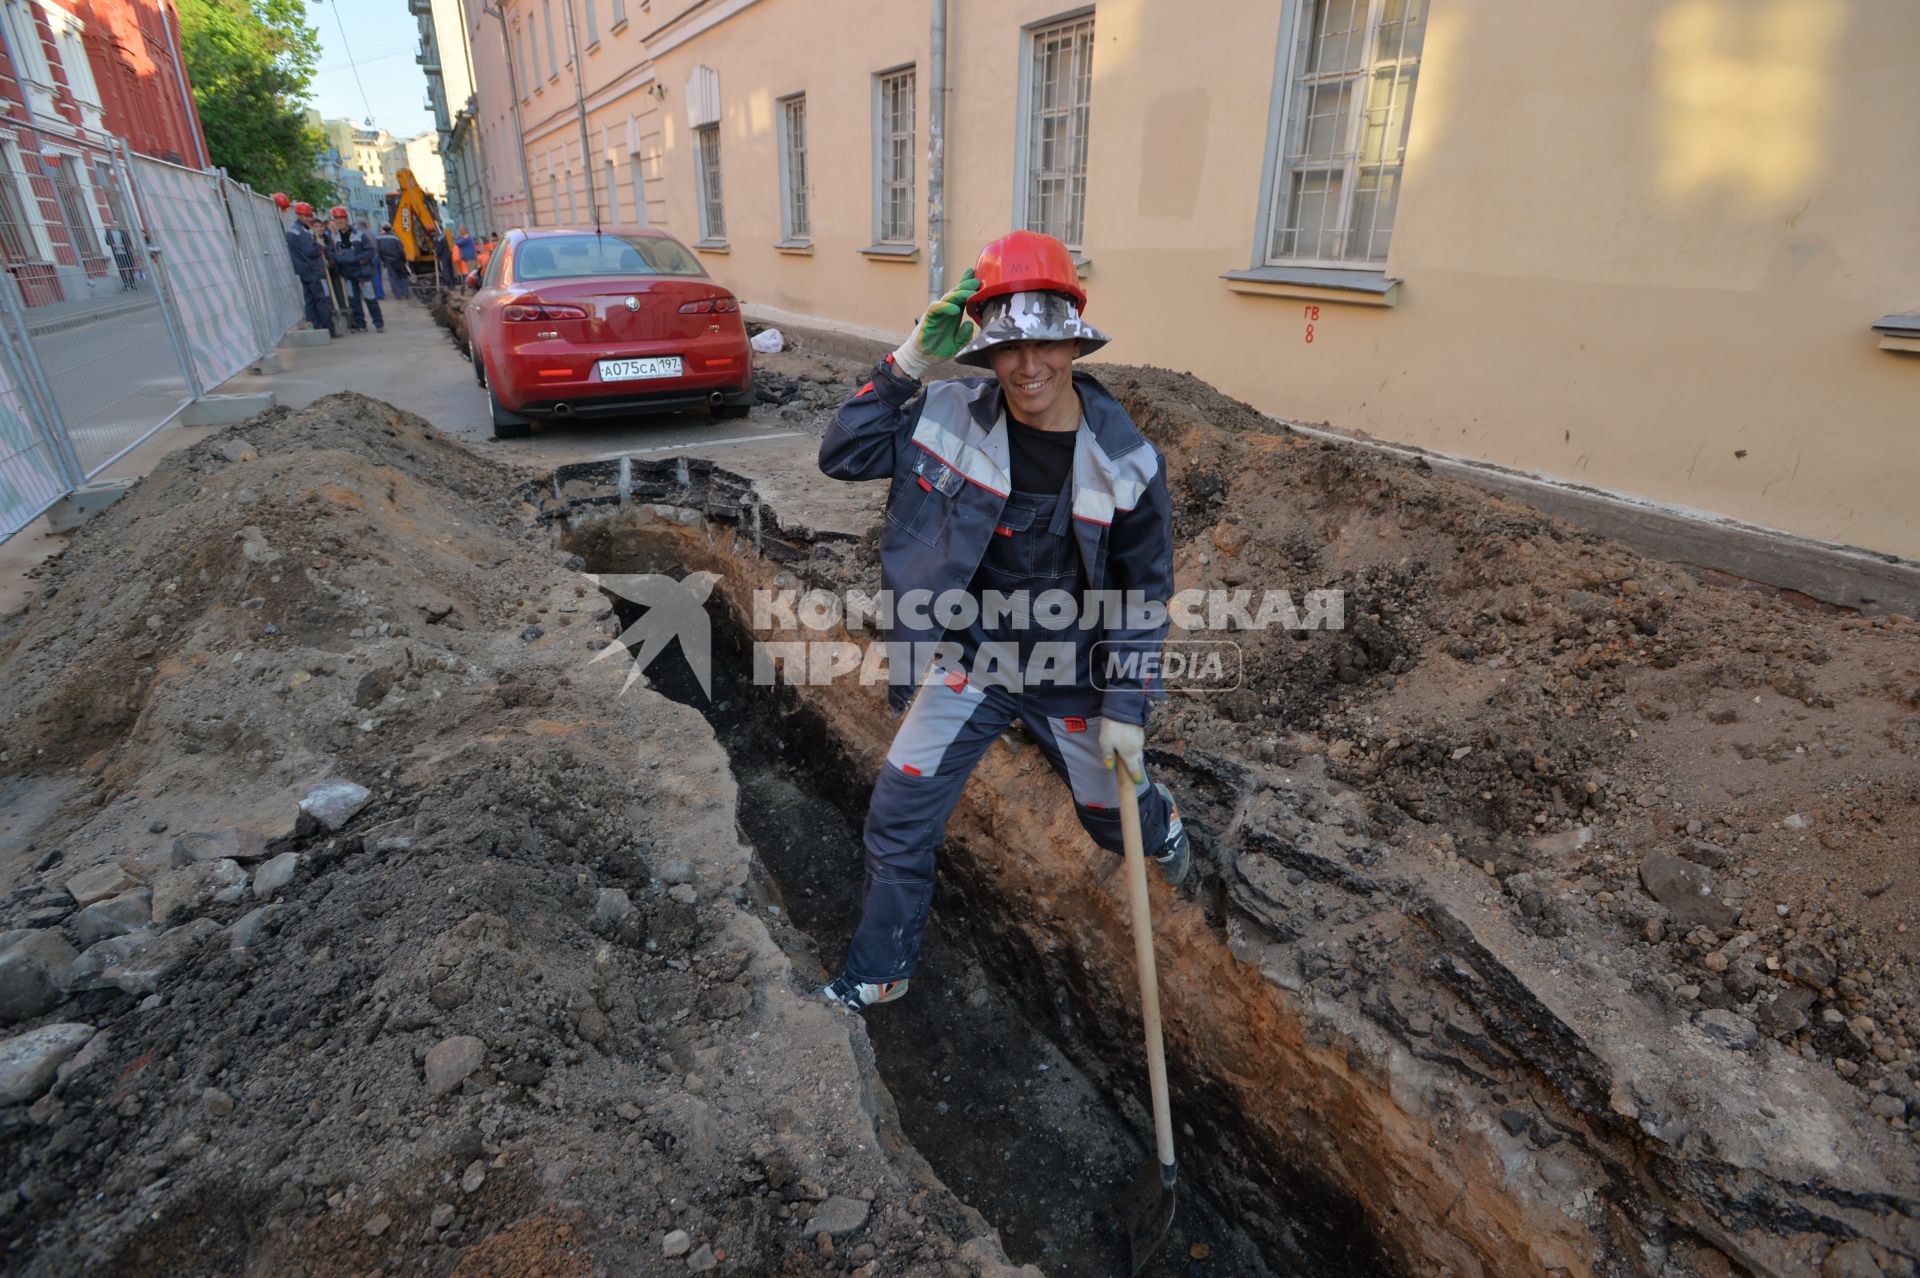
402,366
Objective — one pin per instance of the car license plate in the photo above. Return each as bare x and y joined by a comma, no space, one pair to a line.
627,370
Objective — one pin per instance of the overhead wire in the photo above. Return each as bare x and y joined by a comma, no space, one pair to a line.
346,49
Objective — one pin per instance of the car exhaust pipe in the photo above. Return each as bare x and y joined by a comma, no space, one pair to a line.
714,398
563,410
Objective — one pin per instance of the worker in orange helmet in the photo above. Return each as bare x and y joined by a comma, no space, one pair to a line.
1034,488
310,265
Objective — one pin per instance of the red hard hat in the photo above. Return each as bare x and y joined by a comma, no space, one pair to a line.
339,210
280,200
1025,262
303,209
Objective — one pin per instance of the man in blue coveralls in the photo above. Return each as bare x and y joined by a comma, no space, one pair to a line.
1009,494
310,265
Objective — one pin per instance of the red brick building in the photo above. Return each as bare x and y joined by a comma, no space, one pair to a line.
73,72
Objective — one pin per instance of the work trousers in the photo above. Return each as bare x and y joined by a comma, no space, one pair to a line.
358,292
947,728
319,301
954,717
401,286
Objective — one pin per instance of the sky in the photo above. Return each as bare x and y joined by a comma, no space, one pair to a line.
381,37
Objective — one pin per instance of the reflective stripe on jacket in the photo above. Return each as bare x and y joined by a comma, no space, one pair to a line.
937,531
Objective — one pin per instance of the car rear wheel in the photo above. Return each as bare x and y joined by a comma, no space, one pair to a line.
507,425
479,369
731,412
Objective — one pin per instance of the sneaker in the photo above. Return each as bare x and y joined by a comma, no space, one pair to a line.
1174,855
858,996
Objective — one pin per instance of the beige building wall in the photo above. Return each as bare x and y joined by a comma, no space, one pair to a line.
620,155
1640,252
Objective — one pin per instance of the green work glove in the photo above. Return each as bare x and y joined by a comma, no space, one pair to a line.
941,333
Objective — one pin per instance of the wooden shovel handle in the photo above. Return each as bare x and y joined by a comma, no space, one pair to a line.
1143,956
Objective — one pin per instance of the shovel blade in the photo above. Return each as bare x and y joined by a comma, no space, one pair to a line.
1150,1202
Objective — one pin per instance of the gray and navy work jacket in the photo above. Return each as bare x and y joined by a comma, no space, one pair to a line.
309,259
945,449
353,255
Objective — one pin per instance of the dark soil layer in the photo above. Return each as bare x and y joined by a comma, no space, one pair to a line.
1010,1110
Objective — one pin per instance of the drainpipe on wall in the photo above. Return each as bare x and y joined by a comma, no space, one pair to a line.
580,101
937,159
519,130
172,21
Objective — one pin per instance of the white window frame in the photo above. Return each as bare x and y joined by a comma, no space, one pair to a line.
637,165
885,180
36,221
707,202
794,195
69,37
29,56
613,190
1023,142
620,20
593,24
1284,123
526,81
553,52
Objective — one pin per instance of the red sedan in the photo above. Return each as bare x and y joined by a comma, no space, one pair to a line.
583,323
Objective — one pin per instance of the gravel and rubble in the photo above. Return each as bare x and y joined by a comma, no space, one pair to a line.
350,945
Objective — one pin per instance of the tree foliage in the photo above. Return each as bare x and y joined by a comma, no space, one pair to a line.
252,64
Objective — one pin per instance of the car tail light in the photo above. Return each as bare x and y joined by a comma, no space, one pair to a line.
541,311
710,306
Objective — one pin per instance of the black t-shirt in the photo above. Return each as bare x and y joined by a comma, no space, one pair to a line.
1042,459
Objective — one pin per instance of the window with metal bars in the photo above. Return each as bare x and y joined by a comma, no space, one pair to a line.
1059,90
75,198
706,151
796,223
1343,134
893,140
17,236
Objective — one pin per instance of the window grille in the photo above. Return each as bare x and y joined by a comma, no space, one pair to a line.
1059,91
1351,81
713,214
793,168
895,177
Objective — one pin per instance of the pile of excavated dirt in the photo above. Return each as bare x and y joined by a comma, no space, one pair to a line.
355,924
1608,733
1546,909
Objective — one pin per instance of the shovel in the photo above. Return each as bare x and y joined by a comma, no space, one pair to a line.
1150,1200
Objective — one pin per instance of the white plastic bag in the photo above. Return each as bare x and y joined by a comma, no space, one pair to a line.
769,342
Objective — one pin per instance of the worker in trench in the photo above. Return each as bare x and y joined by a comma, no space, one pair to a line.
1007,490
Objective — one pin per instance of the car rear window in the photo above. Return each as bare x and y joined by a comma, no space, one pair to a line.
556,257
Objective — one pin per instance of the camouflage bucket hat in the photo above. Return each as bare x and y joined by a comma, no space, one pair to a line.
1029,317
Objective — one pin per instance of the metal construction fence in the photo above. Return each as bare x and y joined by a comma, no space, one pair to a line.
128,288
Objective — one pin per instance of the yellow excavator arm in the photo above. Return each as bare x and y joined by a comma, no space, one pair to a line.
415,216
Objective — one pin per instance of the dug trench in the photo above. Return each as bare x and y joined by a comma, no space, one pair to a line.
1006,1077
1382,1065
